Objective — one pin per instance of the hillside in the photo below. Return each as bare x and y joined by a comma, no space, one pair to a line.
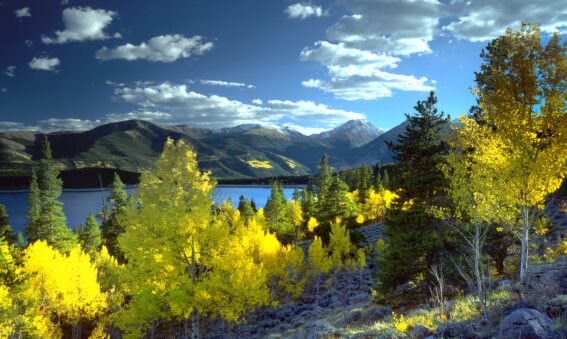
246,151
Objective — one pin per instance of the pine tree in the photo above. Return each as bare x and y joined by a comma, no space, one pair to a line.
112,227
386,183
245,208
414,236
48,222
276,211
34,209
308,203
89,235
323,186
336,205
253,205
6,230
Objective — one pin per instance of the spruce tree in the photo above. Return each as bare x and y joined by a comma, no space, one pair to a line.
414,237
253,205
308,203
89,235
47,220
34,209
112,227
246,211
386,183
276,210
323,186
6,230
336,205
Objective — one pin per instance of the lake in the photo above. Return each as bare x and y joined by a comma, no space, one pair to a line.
78,203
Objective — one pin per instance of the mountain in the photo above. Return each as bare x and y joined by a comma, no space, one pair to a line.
246,151
353,133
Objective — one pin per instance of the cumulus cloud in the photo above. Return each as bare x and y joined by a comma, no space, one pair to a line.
163,48
357,74
23,12
10,71
44,63
222,83
400,27
483,20
50,125
66,124
186,106
82,24
304,11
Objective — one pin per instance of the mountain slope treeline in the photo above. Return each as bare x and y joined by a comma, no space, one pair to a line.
241,152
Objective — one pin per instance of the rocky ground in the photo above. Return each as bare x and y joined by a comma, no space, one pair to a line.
348,301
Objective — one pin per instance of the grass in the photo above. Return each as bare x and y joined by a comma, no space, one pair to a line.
259,164
398,325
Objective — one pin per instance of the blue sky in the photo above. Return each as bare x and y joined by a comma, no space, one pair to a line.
308,65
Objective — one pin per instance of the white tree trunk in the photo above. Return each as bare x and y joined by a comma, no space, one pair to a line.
477,257
525,243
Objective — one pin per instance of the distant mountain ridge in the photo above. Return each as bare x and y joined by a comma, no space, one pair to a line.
245,151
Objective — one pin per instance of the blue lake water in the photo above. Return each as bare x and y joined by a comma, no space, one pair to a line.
79,203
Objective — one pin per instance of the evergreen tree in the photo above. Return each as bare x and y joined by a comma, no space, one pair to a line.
336,205
253,205
324,181
20,240
386,183
46,216
414,236
308,203
89,235
5,230
112,227
245,208
378,184
34,208
276,210
296,195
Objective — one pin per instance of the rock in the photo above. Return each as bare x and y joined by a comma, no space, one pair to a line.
526,323
547,279
318,328
419,332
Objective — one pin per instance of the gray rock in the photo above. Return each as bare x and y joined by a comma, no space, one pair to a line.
526,323
419,332
547,279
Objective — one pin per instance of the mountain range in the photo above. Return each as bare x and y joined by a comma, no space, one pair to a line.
245,151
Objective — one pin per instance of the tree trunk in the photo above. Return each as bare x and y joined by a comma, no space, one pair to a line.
477,273
185,329
317,283
524,239
76,331
195,325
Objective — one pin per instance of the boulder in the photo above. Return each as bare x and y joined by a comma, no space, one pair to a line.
547,279
419,332
526,323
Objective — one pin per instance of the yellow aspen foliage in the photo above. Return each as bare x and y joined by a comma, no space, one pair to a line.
184,257
65,287
343,252
376,204
312,224
522,91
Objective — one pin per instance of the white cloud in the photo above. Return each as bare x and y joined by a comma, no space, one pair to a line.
186,106
66,124
82,24
12,126
483,20
257,101
10,71
400,27
28,43
163,48
50,125
44,64
304,11
141,115
22,12
357,74
3,89
222,83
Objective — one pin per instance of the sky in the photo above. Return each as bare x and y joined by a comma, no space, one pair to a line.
310,66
